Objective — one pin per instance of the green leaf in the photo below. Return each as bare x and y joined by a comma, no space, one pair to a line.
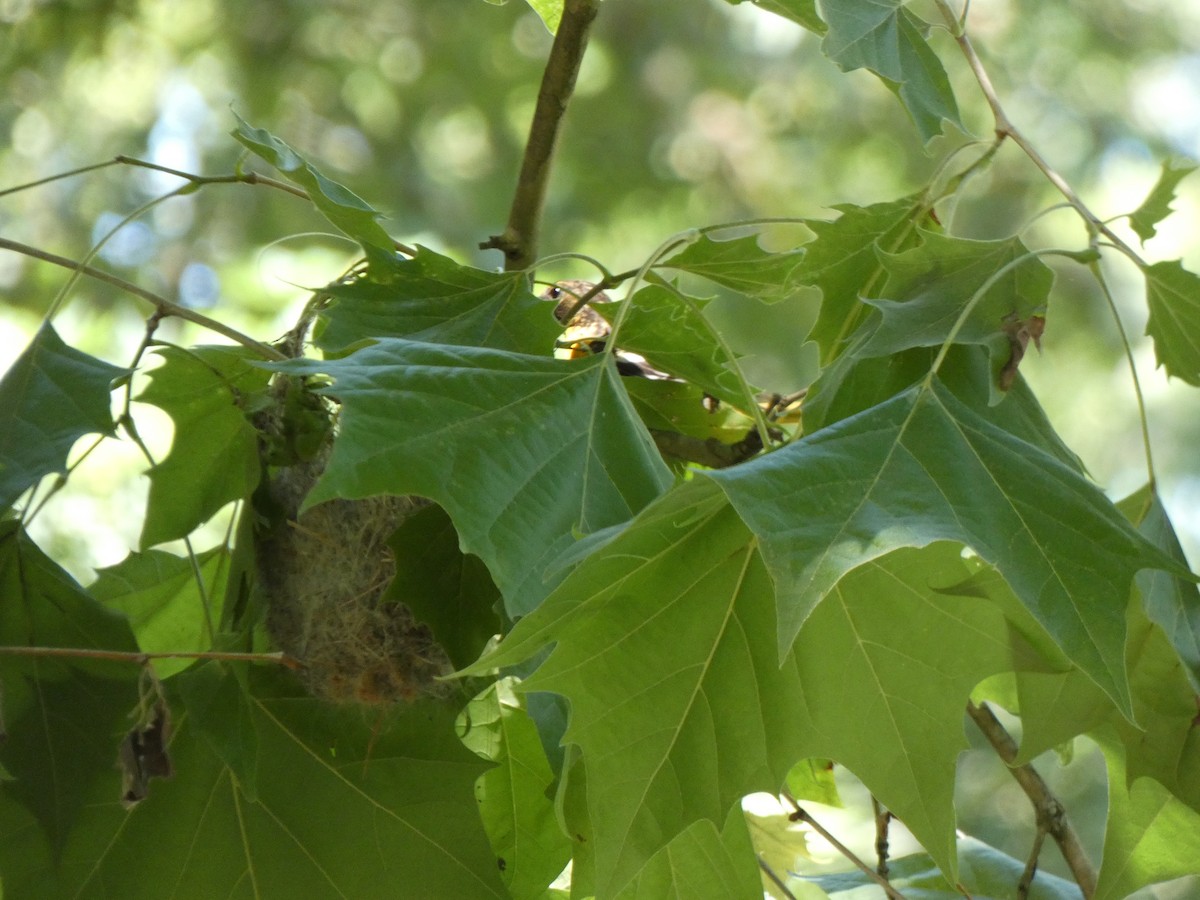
341,206
337,815
1173,294
521,451
550,12
802,12
930,287
1157,205
50,397
883,36
842,261
221,709
669,329
740,264
432,298
812,779
214,453
514,797
923,467
700,863
158,593
1151,835
62,718
688,710
448,590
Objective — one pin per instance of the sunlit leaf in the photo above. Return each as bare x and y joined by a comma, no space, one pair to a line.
214,454
1151,835
341,206
700,863
515,799
689,710
740,264
50,397
159,594
802,12
1157,205
521,451
923,467
1173,294
432,298
885,37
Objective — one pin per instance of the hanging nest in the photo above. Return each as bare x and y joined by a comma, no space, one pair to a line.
325,572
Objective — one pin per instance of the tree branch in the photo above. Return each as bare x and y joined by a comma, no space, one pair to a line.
131,656
519,240
706,452
1051,816
800,815
163,305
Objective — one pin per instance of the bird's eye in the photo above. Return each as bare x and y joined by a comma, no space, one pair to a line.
554,293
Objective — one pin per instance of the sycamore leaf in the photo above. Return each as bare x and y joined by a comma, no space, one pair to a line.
1157,205
922,467
521,451
930,287
688,710
843,262
550,11
432,298
50,397
513,797
701,863
883,36
158,593
341,206
1173,294
446,589
1151,835
740,264
62,719
670,330
802,12
221,710
214,453
332,819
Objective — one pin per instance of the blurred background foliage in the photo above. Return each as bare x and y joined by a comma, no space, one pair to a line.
688,112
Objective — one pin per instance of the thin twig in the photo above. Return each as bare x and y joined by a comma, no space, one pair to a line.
1048,809
140,658
1005,128
163,305
1031,865
519,240
801,815
775,879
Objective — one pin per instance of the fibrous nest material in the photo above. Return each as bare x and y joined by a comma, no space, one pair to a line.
325,573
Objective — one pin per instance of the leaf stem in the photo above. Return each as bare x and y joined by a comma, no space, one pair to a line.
518,243
801,815
1049,811
1143,419
1006,129
164,306
140,658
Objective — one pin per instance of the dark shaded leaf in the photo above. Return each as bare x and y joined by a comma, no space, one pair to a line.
50,397
802,12
432,298
740,264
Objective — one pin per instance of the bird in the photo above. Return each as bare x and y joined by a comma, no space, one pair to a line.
586,331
